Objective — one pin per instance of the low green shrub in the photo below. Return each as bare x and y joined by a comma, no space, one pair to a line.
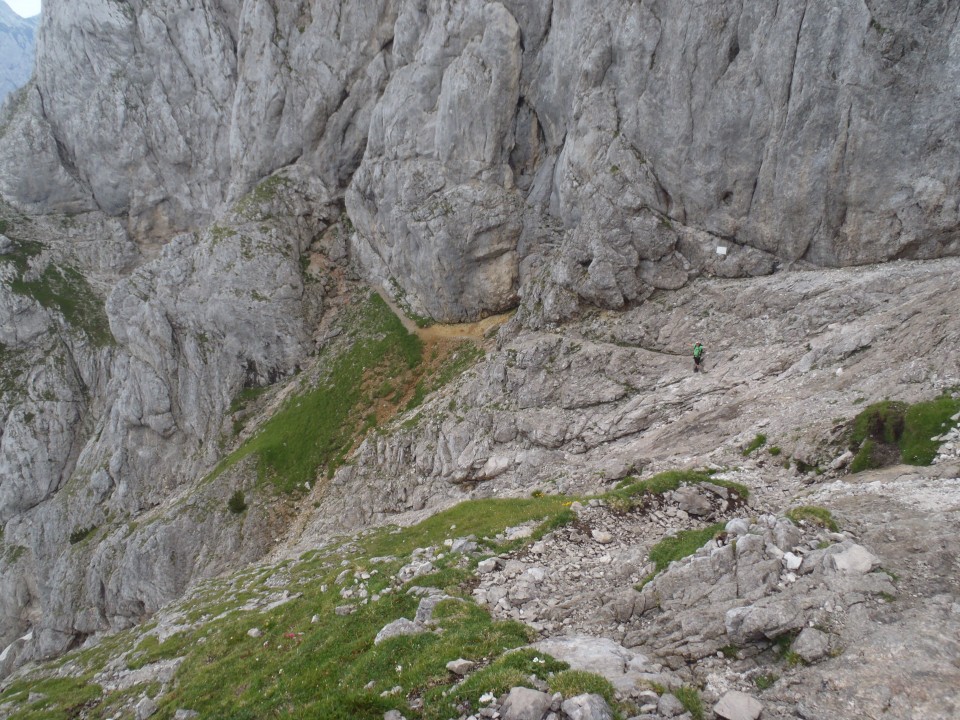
237,503
889,432
81,534
815,515
631,493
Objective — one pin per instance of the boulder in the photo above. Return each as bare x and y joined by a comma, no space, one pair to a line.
736,705
460,666
398,628
811,645
525,704
587,707
670,706
692,501
856,560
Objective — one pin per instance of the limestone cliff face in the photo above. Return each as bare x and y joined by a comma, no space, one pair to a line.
615,143
16,49
489,154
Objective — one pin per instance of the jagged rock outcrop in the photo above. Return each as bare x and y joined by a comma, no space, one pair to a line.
17,36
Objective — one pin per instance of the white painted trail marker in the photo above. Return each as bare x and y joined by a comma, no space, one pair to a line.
721,250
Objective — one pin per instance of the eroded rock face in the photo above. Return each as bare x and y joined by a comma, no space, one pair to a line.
105,437
435,198
567,152
16,48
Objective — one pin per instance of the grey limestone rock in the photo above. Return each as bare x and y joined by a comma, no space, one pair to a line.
624,668
399,627
489,154
525,704
587,707
460,666
670,706
736,705
853,559
811,645
488,150
17,38
146,708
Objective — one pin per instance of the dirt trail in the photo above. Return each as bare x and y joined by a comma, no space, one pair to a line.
438,333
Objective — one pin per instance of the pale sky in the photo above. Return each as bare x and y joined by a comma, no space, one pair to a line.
24,8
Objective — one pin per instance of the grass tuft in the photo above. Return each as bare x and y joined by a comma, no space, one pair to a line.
571,683
889,432
764,682
681,545
689,697
758,442
815,515
630,493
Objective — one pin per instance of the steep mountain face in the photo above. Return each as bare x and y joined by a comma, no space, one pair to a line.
187,157
17,36
609,147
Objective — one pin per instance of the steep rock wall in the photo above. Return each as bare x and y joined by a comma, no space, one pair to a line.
614,144
17,37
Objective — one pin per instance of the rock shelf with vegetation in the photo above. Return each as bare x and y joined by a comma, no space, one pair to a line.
345,361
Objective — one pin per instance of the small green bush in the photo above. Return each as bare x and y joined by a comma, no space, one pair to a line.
237,503
888,432
81,534
774,450
815,515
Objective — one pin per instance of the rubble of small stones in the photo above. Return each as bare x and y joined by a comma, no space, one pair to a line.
949,449
557,583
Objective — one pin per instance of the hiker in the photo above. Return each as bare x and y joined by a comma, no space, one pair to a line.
697,356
